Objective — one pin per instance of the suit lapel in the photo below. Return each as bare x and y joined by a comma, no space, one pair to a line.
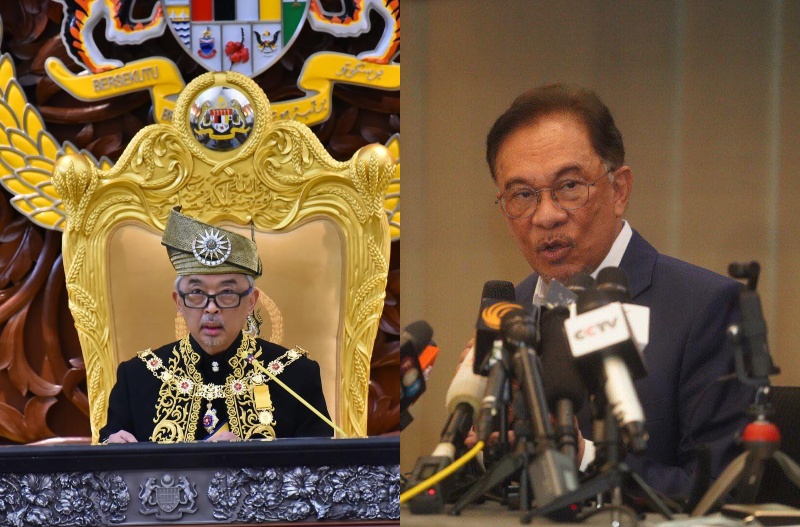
638,261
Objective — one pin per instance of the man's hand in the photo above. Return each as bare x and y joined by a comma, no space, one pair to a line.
227,435
464,353
581,445
121,437
472,438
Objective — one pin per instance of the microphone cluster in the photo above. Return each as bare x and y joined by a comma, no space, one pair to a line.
587,340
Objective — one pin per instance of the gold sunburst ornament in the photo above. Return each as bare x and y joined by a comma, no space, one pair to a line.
211,247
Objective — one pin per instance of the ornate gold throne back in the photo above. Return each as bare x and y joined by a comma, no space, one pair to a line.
319,225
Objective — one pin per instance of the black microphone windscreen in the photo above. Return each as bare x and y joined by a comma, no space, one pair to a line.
592,300
580,283
614,282
498,297
499,290
559,372
519,326
415,338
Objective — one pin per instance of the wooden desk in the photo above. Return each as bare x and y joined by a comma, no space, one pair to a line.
342,481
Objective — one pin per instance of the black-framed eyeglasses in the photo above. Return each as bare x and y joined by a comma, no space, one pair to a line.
224,300
521,201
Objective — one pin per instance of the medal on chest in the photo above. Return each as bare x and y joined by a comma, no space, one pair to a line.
210,419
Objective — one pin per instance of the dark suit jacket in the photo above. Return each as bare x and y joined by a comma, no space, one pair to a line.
134,398
684,404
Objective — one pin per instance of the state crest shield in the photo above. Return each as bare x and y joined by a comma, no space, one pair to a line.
247,36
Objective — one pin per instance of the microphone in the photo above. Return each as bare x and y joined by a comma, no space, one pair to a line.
580,283
463,400
498,298
563,386
614,282
601,340
493,398
413,340
520,337
754,364
427,358
566,294
552,474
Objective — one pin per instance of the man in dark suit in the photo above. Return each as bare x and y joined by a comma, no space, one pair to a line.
558,160
205,386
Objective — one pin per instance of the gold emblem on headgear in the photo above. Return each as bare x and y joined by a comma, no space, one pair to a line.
211,247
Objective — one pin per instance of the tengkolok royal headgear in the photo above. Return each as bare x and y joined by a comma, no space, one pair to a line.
195,247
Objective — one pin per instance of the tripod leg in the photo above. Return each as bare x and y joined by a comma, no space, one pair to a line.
509,465
749,480
653,499
727,480
789,467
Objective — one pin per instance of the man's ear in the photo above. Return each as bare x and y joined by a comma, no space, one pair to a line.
254,298
623,181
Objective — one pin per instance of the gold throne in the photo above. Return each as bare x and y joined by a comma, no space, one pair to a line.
319,224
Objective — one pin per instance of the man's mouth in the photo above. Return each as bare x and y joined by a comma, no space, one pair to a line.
211,328
555,250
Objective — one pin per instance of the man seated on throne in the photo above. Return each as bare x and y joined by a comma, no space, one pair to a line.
205,386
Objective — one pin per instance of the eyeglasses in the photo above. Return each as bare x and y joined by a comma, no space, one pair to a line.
224,300
521,201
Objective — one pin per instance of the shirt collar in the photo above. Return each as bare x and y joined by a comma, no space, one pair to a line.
612,259
614,256
220,358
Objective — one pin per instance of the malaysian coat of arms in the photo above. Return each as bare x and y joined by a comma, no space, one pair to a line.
84,76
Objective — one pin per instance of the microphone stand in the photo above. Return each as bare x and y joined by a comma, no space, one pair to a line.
612,473
761,438
535,461
509,464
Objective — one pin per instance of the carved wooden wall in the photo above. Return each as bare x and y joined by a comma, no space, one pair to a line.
42,384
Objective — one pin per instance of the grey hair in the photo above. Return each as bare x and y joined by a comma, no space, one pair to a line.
609,168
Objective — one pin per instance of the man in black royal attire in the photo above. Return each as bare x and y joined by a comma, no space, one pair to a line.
205,387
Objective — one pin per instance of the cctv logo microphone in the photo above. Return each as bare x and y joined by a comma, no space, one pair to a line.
608,353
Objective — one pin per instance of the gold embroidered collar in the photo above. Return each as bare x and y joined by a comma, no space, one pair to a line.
246,392
233,385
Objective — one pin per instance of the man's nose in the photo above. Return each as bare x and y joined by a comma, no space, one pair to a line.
548,214
212,306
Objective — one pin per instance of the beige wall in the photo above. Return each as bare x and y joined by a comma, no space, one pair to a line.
705,94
